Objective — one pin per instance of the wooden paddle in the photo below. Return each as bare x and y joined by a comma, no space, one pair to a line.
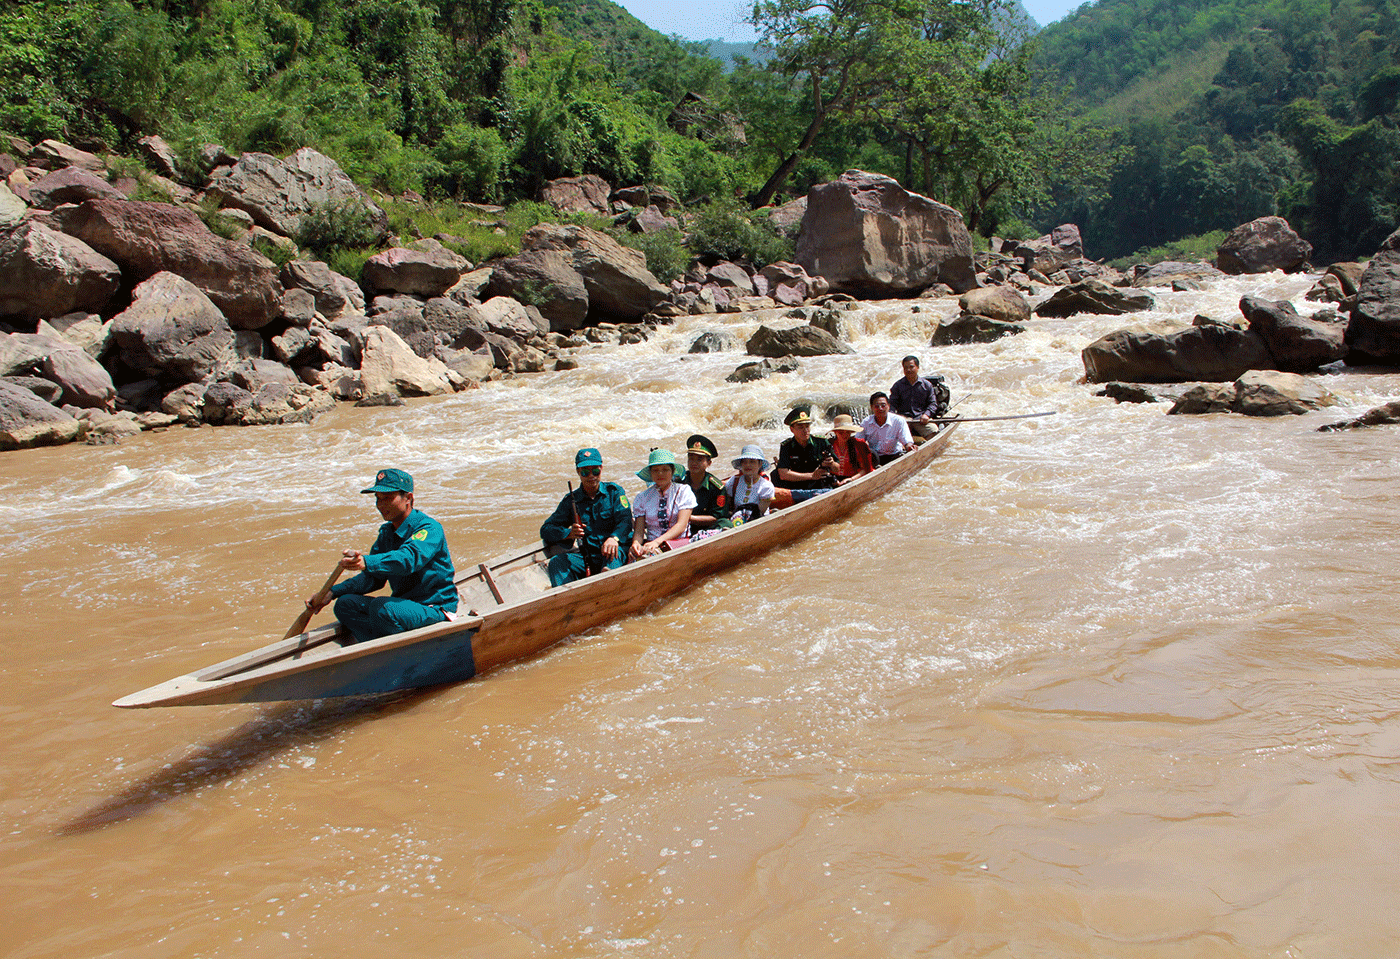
301,622
578,522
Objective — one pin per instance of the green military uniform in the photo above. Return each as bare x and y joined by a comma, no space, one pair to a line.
609,514
711,500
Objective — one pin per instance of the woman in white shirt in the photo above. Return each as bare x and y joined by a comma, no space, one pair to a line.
661,512
750,491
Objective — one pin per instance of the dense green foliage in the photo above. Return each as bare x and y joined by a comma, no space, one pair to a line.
1237,109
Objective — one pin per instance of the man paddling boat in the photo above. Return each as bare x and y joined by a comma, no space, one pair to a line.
410,554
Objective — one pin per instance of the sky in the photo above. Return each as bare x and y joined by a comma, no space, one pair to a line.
724,19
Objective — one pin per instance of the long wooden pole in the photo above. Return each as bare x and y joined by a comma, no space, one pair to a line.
322,594
987,419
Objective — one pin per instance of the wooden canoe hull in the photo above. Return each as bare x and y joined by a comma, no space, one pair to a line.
526,618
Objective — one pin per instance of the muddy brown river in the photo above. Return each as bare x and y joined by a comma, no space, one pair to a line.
1108,683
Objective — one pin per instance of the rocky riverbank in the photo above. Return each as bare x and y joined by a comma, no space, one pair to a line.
121,314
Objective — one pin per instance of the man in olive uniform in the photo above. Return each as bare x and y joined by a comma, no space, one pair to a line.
711,504
604,521
805,464
410,554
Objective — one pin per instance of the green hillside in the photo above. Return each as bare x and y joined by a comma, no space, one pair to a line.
1236,109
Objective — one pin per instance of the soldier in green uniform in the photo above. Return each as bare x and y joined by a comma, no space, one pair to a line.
604,519
711,502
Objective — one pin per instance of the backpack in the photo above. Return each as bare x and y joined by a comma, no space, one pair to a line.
941,394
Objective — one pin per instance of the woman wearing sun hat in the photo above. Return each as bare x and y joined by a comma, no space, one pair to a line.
750,491
661,512
851,453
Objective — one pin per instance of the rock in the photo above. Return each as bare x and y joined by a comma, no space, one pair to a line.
787,219
1127,393
470,366
970,328
1348,275
282,194
1002,303
747,304
447,319
1386,414
159,156
396,304
1299,344
1273,393
426,269
86,331
794,341
341,382
1261,245
578,194
44,273
46,390
84,381
150,238
103,427
1373,335
1094,296
411,327
1209,352
389,367
1327,289
298,307
213,155
506,317
70,185
652,220
1205,398
547,279
469,288
866,234
335,295
1051,252
226,404
172,331
280,402
714,341
249,345
1169,272
12,208
26,420
731,278
749,372
828,320
253,375
186,402
619,285
787,283
295,346
52,155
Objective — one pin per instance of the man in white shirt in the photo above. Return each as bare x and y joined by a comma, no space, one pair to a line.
887,434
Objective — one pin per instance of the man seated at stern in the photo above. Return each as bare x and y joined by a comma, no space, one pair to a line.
913,398
886,433
596,516
805,464
410,554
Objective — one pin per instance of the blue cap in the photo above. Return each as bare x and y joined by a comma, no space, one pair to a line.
391,481
587,456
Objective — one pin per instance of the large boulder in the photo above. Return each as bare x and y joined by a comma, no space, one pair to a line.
70,185
150,238
578,194
1274,393
44,273
12,208
1261,245
971,328
867,235
1210,351
787,283
794,341
1004,303
1094,296
1373,335
507,317
53,155
426,269
619,285
1169,272
281,194
1387,414
172,331
1299,344
547,279
335,295
26,420
389,368
85,382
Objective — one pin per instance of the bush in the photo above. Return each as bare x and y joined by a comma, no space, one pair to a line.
337,226
666,253
1187,249
726,230
472,160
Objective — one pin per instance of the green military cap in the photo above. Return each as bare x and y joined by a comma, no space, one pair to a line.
391,481
798,416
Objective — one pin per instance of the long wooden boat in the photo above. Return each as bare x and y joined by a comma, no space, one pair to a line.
513,611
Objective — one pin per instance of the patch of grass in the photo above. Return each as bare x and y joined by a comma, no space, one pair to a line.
480,236
279,253
218,222
667,256
349,261
1187,249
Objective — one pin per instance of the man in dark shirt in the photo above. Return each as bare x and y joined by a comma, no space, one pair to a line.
604,519
912,397
711,505
805,464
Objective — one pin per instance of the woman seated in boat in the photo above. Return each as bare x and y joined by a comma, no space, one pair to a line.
851,453
661,512
750,491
